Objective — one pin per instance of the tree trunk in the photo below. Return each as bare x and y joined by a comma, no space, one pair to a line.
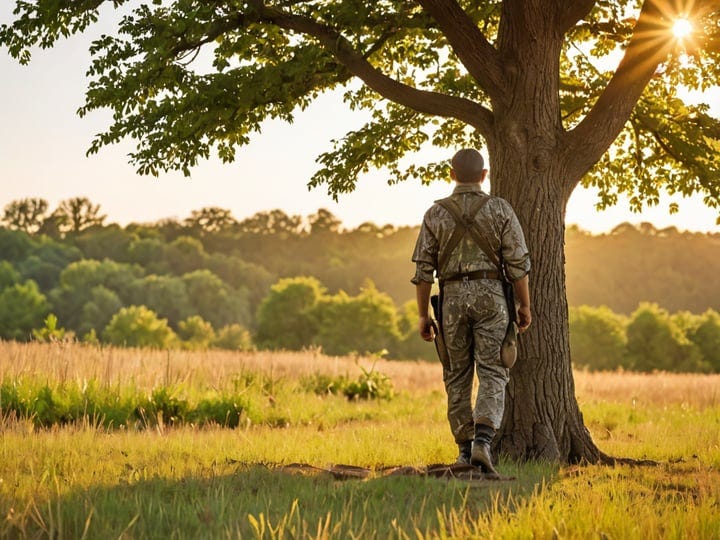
542,419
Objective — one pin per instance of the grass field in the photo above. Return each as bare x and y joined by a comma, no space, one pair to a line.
158,480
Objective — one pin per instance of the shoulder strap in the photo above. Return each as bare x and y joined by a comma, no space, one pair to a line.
465,223
459,231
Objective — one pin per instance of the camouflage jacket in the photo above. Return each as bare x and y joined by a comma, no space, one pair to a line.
498,222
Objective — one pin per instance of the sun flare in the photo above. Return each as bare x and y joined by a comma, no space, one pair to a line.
682,28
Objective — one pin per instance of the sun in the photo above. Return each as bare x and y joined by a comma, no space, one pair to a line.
682,28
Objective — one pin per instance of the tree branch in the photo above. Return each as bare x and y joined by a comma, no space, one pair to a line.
424,101
573,11
476,53
649,46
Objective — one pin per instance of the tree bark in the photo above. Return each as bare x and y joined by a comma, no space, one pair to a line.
542,418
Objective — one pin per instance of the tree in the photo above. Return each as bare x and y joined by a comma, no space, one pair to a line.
272,222
185,254
110,242
706,336
524,79
214,300
241,274
8,275
324,222
25,215
15,245
77,281
78,213
211,219
286,318
137,326
47,260
655,342
165,295
22,308
366,323
97,312
149,253
597,337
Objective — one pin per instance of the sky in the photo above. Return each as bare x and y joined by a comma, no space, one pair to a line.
43,144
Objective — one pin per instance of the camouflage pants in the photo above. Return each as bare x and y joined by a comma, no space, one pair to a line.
475,318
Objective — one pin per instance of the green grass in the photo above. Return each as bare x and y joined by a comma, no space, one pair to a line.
248,398
217,482
192,480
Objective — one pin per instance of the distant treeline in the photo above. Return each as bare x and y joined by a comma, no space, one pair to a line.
633,264
650,339
212,280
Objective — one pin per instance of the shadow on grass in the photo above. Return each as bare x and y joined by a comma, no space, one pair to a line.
272,501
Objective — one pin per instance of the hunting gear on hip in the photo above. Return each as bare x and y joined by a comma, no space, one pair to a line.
475,246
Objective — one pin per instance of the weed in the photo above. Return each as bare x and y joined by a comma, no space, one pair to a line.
370,384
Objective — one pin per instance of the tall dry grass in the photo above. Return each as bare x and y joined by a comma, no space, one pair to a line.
149,368
695,390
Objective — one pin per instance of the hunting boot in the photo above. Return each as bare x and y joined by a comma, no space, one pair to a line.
465,453
481,455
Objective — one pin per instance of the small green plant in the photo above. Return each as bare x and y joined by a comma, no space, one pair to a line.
322,384
370,384
225,411
164,405
50,332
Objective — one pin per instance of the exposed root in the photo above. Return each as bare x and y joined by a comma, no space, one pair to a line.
632,462
351,472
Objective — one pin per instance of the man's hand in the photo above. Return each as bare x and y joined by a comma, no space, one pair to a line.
423,300
426,329
524,318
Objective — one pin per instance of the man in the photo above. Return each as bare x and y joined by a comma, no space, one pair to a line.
474,312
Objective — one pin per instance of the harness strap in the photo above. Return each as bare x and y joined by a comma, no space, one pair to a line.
465,223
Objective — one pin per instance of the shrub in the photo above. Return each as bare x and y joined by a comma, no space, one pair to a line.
224,410
196,333
233,337
162,406
137,326
50,332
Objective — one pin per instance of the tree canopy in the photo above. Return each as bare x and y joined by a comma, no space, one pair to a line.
187,78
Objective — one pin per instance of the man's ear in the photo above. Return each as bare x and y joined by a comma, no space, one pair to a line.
483,175
452,174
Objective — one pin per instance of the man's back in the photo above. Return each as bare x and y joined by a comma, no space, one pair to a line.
498,224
